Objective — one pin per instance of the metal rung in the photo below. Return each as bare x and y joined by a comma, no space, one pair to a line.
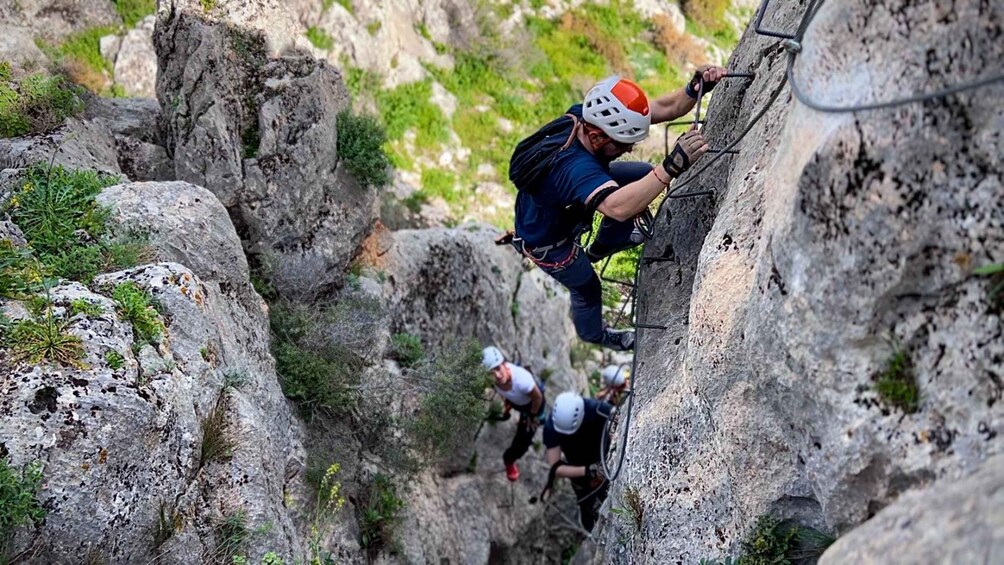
690,194
651,327
740,75
684,122
759,21
657,260
726,151
625,283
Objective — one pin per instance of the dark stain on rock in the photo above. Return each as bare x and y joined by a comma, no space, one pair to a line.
45,400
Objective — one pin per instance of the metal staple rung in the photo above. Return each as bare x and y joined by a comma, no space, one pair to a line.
740,75
651,327
684,122
768,33
657,260
727,151
625,283
690,194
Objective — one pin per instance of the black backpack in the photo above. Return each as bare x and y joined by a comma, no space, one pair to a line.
532,158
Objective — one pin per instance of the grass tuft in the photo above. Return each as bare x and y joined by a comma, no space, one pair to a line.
19,505
132,11
35,103
897,385
407,349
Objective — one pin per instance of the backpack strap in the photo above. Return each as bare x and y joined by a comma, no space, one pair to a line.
576,125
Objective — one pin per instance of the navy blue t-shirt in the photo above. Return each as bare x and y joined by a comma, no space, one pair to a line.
557,209
582,447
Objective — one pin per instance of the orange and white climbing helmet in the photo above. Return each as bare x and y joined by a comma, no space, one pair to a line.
619,107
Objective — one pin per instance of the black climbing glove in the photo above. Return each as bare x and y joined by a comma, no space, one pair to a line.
695,84
689,147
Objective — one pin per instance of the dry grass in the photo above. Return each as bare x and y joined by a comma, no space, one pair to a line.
680,48
612,51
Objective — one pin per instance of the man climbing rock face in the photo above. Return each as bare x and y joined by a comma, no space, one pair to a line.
575,430
556,205
615,381
522,393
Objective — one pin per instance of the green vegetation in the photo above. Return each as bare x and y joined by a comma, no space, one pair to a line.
85,307
132,11
207,5
347,4
43,339
995,292
407,349
897,385
373,27
379,514
320,38
634,508
315,371
776,542
79,55
360,145
19,505
114,359
232,535
34,103
134,305
409,107
452,404
65,227
218,438
235,379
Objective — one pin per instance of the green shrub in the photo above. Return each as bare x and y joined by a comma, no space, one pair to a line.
80,57
708,13
452,403
64,225
897,385
379,514
114,359
132,11
134,305
317,373
20,274
320,38
360,145
35,103
407,349
19,505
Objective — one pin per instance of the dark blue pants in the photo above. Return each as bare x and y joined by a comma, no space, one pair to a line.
579,277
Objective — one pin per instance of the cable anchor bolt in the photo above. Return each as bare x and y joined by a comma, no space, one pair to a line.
792,46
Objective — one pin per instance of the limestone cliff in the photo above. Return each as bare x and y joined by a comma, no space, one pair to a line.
835,249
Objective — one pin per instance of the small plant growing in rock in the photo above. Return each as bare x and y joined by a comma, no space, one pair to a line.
995,292
407,349
897,385
35,103
776,542
85,307
232,534
114,359
235,379
134,304
19,505
132,11
218,438
380,514
360,145
319,38
44,339
168,522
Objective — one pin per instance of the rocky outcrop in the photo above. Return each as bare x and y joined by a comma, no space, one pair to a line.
131,474
134,62
833,243
261,134
958,522
56,19
446,286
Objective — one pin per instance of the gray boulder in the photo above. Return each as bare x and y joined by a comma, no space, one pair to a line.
951,522
261,134
832,242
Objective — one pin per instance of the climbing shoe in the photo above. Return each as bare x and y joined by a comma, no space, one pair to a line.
512,471
618,340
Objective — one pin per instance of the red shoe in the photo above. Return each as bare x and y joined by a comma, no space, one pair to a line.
512,471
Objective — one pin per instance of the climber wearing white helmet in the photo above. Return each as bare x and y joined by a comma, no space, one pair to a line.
521,392
573,435
561,187
615,381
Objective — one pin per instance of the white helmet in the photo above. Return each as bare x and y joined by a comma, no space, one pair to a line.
613,375
619,107
491,357
568,413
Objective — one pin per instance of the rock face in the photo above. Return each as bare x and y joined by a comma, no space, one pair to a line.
134,60
949,523
261,134
128,473
833,242
450,284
